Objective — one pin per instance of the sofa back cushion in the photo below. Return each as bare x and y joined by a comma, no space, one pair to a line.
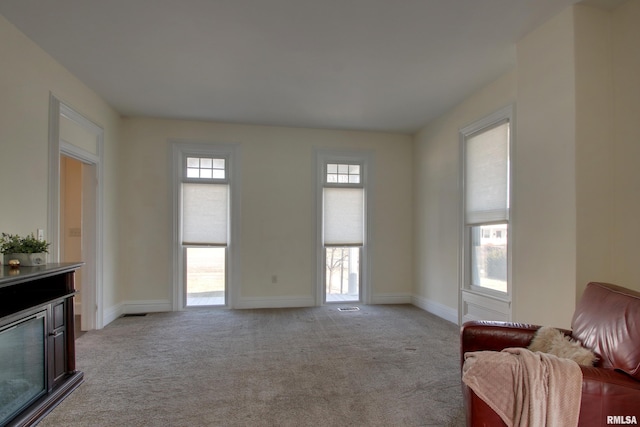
607,321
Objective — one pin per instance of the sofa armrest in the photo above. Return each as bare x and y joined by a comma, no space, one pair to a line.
495,336
485,335
600,380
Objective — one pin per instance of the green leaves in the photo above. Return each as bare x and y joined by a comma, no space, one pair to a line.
14,244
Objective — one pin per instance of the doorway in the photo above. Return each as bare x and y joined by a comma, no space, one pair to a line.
75,200
77,228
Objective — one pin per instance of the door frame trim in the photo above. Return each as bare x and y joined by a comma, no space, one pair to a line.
93,295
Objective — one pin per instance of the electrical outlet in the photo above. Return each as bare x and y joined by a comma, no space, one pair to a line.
40,234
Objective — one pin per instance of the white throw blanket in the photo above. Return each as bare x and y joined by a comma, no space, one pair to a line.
526,388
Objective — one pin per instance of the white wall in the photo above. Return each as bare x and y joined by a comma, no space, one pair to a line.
626,137
578,92
277,200
27,77
594,146
544,205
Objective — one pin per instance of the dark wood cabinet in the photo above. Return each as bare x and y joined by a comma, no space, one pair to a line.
37,348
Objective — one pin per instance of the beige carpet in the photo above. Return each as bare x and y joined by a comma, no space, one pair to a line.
379,366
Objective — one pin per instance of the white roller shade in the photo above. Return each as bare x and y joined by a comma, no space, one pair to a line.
343,216
205,212
487,175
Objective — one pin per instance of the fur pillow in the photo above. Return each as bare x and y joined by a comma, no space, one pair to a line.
552,341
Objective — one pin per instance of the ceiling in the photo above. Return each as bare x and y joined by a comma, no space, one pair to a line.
381,65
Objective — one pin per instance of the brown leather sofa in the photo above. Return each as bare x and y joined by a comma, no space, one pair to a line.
607,321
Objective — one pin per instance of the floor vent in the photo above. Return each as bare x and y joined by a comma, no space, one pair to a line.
135,315
348,308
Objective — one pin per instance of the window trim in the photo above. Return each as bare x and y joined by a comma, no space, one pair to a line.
180,150
499,117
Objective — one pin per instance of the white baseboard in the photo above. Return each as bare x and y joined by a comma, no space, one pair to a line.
290,302
135,307
150,306
274,302
112,313
435,308
391,299
153,306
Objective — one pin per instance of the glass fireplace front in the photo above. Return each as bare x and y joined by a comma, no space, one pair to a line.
22,364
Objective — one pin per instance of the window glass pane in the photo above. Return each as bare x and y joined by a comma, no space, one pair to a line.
217,163
489,256
342,275
343,173
205,276
205,168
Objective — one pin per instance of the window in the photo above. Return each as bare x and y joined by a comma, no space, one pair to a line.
343,173
203,195
343,209
343,225
205,229
486,200
206,167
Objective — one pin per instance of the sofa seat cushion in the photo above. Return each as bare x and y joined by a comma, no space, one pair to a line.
606,321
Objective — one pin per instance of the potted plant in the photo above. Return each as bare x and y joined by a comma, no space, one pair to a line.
28,250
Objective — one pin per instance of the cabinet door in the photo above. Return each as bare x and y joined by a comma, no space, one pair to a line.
59,341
